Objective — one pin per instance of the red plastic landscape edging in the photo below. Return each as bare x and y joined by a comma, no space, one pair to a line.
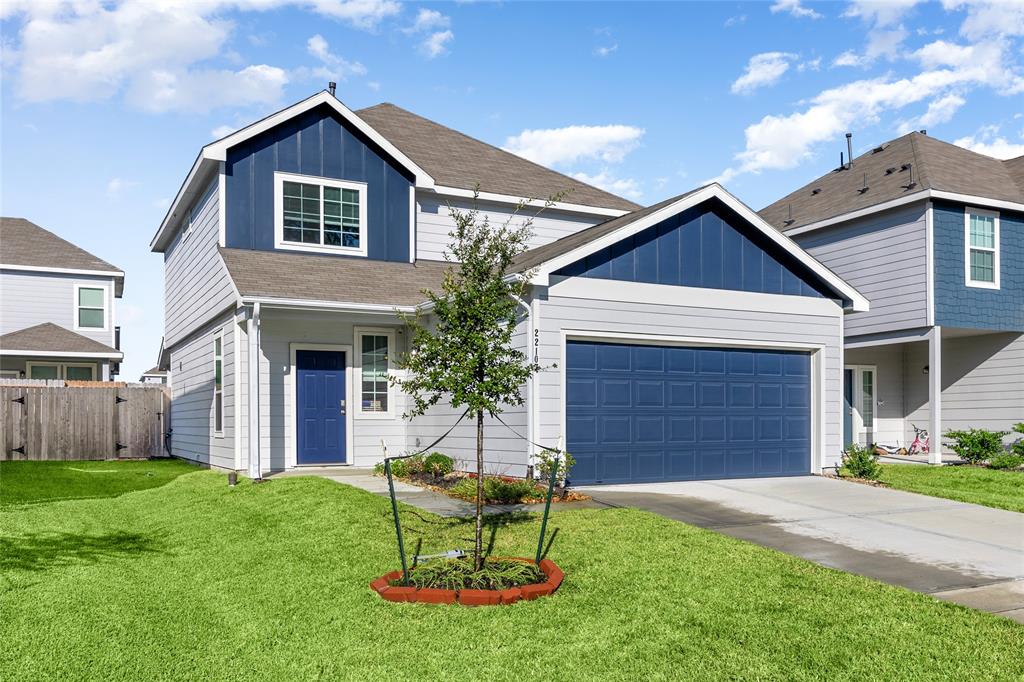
430,595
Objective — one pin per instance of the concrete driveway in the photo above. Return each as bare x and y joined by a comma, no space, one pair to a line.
960,552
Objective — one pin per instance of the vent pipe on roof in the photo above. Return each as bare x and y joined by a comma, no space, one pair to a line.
331,87
849,149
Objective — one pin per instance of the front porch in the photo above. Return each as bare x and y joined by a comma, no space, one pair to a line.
938,379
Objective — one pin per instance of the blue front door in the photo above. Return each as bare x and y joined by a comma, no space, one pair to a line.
637,413
320,401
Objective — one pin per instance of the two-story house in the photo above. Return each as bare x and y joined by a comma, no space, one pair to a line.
684,340
933,235
56,307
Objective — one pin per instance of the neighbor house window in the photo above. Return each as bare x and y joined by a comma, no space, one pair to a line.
45,370
80,372
374,347
90,307
318,214
218,384
982,252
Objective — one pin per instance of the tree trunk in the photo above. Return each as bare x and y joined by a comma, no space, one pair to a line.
478,548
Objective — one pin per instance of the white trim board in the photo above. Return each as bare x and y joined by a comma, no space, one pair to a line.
533,201
281,243
712,191
291,453
308,304
117,355
976,284
107,307
62,271
357,367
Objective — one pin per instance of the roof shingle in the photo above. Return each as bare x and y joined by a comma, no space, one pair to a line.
51,338
24,243
454,159
898,168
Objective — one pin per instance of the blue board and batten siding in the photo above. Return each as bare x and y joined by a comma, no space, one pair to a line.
317,143
701,247
958,305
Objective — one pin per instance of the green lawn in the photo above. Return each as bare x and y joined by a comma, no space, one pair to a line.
195,580
30,482
990,487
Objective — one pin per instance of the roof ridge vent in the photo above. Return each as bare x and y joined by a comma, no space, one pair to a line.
879,148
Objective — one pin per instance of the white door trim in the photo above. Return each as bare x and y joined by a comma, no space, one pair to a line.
818,371
857,423
291,458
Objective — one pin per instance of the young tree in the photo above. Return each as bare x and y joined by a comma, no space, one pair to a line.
463,352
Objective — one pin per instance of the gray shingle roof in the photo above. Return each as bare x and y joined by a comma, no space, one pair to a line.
534,257
328,278
934,164
51,338
24,243
457,160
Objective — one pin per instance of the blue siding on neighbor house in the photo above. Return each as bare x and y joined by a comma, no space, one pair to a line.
958,305
701,247
317,143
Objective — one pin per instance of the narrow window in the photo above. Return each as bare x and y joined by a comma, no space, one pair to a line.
79,372
982,240
218,385
868,395
91,309
320,215
374,361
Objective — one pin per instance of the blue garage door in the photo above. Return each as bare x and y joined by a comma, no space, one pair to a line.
661,413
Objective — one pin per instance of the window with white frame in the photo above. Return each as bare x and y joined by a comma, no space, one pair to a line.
218,383
43,370
319,214
374,348
981,240
75,371
90,307
80,371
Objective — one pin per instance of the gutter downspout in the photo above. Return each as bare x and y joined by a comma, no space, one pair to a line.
531,387
253,337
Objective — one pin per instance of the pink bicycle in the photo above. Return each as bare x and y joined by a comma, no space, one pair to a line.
920,446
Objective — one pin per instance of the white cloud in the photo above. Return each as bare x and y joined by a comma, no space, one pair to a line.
604,51
880,12
795,8
436,43
334,68
428,20
762,70
998,18
942,109
115,186
155,54
373,85
222,131
625,187
553,146
848,58
809,65
988,141
885,32
736,20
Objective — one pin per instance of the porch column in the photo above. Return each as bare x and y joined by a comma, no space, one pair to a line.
105,370
935,395
253,336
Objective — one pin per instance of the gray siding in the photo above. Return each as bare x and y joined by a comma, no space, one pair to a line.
884,256
196,283
433,222
889,395
982,382
31,298
576,314
192,364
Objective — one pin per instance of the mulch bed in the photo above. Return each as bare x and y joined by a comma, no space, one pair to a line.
430,595
445,484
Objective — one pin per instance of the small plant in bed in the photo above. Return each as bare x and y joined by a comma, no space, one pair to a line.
860,462
459,574
976,445
497,490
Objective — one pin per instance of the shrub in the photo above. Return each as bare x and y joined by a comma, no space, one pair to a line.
400,468
378,469
415,464
861,462
496,490
1006,461
546,460
976,445
1018,447
438,464
458,574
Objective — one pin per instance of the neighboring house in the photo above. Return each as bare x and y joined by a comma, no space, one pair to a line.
933,235
56,307
685,340
154,376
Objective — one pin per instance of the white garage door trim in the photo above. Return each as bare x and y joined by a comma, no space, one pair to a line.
818,376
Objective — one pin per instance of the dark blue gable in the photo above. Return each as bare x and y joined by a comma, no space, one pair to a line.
706,246
317,142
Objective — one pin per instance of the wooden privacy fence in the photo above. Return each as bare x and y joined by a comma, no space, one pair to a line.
58,420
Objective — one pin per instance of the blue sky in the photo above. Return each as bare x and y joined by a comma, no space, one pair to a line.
105,104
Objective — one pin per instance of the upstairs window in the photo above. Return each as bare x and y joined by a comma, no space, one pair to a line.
218,384
981,257
90,307
318,214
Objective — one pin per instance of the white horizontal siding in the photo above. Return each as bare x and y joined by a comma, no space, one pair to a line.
196,283
31,298
434,223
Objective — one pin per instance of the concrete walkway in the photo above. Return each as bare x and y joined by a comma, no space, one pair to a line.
964,553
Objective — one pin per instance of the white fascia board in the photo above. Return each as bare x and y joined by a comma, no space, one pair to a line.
117,355
218,151
340,306
908,199
62,271
858,301
691,297
185,193
512,199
